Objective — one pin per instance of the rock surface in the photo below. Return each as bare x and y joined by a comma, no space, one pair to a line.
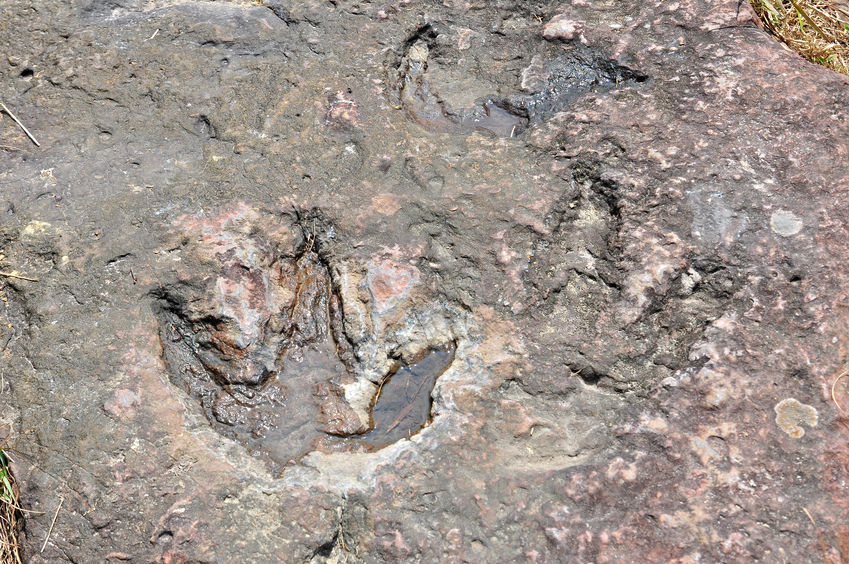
626,219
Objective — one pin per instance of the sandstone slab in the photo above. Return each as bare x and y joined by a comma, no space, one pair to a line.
624,220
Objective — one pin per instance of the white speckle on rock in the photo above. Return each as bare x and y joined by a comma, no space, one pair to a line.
786,223
669,382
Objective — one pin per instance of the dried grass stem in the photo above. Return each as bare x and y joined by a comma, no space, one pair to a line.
817,29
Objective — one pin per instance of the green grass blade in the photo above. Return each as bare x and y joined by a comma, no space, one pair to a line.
805,15
771,9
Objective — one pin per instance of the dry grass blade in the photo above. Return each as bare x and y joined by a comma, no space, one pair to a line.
834,388
9,514
817,29
18,276
819,535
52,523
22,126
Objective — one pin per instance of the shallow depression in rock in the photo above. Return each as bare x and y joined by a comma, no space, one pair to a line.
259,342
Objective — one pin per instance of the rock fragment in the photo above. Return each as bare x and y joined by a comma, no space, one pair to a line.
562,28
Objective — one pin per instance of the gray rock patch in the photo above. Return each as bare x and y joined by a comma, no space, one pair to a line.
786,223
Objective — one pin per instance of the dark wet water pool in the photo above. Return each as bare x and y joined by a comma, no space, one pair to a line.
403,407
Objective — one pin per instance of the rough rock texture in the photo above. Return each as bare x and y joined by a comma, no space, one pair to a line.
626,219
